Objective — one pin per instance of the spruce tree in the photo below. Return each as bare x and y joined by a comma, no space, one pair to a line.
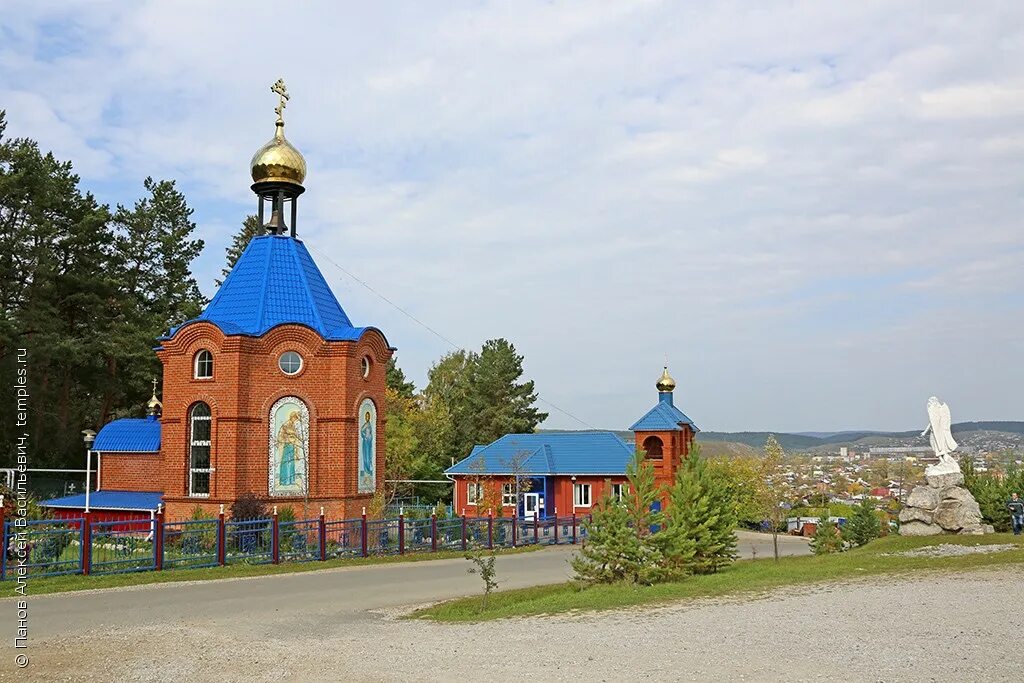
863,526
250,228
826,537
701,520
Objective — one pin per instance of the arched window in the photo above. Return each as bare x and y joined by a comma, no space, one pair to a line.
199,424
652,447
203,365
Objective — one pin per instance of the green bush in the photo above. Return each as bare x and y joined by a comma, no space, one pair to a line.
863,526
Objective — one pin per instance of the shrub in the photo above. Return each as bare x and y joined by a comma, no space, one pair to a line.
249,506
826,537
863,526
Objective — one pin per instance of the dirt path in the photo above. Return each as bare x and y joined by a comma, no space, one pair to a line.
963,627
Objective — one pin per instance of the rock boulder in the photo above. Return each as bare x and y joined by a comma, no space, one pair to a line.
943,506
919,529
945,480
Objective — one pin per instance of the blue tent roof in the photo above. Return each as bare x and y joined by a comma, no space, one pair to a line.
663,417
129,434
109,500
275,282
549,453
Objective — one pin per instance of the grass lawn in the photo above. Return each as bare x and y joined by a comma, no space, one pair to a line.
745,576
77,582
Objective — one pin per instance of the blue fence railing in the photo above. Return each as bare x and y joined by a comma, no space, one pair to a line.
249,541
81,546
191,544
117,547
42,548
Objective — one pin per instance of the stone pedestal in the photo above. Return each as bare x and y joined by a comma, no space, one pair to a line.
944,506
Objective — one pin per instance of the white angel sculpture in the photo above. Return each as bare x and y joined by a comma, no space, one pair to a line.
939,424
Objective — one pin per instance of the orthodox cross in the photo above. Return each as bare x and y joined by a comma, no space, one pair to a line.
280,89
154,386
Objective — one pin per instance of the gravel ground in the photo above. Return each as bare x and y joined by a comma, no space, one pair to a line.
949,627
953,550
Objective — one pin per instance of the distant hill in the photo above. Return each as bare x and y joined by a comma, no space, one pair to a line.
809,440
745,443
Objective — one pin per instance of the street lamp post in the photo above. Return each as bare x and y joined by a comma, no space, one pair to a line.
88,436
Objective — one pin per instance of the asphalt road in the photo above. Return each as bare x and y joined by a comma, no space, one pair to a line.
296,604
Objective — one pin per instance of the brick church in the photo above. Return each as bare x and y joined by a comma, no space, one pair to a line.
271,390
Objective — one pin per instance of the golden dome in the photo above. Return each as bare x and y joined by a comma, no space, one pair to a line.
665,382
278,161
154,406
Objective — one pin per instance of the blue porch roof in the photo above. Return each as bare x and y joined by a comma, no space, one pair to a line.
547,453
276,282
109,500
663,417
129,435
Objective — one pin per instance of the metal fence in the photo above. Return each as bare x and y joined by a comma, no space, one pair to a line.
117,547
190,545
249,541
82,546
42,548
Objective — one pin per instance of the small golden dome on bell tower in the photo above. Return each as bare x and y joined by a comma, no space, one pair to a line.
154,407
665,383
278,161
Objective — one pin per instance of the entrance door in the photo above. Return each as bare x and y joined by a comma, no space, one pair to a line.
531,505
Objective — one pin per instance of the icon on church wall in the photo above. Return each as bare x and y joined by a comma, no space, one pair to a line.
367,446
289,447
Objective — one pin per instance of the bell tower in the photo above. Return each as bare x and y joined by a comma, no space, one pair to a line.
278,170
665,434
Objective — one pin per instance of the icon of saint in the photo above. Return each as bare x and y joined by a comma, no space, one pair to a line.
366,445
290,443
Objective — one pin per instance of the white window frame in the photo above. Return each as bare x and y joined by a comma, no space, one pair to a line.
195,364
577,495
474,492
508,495
619,492
192,442
280,363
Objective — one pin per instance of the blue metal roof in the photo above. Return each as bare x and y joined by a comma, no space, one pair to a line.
663,417
549,453
275,282
109,500
129,434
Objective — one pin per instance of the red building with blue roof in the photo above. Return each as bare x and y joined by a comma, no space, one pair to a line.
535,475
271,390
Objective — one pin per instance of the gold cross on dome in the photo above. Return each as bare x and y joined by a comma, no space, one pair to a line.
154,386
280,89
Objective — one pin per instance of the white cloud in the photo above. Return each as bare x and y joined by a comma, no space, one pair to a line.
751,189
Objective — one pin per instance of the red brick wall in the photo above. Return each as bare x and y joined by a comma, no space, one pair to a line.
129,472
246,382
675,447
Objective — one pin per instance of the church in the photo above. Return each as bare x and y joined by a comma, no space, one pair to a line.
271,390
548,474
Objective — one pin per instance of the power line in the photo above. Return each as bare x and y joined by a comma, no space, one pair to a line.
428,328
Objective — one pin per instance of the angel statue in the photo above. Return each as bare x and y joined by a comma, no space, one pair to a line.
939,424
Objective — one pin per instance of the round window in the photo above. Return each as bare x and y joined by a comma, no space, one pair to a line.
290,363
366,366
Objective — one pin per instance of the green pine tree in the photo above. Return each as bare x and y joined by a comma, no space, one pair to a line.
699,533
620,545
826,537
397,382
250,228
864,525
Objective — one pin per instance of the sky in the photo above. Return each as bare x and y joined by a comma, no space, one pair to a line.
813,211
